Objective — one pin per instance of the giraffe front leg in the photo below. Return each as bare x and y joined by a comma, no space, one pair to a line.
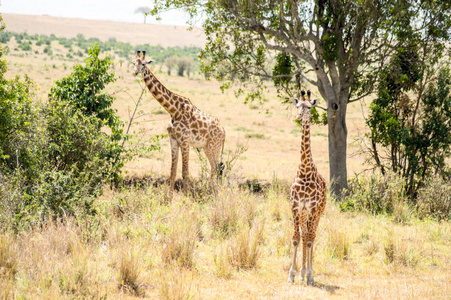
310,239
309,272
304,254
304,227
211,159
296,240
185,166
174,156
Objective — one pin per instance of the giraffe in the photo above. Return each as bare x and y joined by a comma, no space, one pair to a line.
189,126
308,195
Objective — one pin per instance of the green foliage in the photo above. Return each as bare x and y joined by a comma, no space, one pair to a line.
374,194
410,118
125,50
84,87
330,47
84,90
283,73
377,194
26,46
434,199
18,120
183,64
55,157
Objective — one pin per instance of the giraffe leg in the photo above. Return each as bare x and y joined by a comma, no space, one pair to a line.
304,228
313,221
296,240
185,164
175,155
218,151
211,159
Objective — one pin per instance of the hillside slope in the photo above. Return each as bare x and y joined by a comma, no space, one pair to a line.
133,33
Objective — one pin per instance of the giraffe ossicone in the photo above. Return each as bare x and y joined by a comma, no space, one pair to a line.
307,194
189,126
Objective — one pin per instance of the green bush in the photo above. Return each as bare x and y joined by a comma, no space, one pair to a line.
434,199
26,46
84,90
55,157
374,194
378,194
20,137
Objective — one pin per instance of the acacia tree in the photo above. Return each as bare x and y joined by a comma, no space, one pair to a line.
334,45
143,10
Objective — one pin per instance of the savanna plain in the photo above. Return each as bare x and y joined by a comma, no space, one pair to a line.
221,241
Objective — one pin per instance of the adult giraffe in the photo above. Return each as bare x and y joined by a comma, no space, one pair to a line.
189,126
308,195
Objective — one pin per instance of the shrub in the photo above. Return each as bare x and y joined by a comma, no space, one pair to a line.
434,199
84,90
386,195
374,194
25,46
48,50
54,158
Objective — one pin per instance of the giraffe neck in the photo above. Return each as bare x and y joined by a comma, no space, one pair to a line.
306,152
170,101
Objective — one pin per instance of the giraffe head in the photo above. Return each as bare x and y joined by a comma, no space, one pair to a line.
304,105
140,62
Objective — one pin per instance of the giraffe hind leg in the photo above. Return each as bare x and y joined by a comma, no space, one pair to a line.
185,167
174,156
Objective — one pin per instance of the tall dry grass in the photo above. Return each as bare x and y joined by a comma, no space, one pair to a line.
239,243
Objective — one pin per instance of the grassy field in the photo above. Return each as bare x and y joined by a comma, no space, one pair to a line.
230,244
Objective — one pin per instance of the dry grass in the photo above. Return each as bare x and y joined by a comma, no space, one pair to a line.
338,244
180,241
172,284
223,269
172,250
244,250
129,271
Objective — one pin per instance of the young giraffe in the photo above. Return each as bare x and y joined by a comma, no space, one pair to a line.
189,127
308,195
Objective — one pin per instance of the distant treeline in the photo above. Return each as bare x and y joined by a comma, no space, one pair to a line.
125,50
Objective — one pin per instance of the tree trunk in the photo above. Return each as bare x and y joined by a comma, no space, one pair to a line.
336,117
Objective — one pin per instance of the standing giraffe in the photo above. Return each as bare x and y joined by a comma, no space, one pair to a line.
308,195
189,127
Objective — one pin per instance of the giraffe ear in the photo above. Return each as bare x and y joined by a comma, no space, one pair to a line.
148,62
315,102
295,101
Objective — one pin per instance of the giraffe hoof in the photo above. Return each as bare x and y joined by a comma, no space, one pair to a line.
291,275
310,280
303,271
